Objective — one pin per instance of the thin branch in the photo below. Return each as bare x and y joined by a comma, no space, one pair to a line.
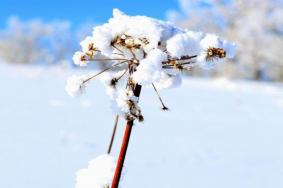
183,58
117,48
108,59
114,81
187,57
174,65
118,54
161,101
126,70
133,54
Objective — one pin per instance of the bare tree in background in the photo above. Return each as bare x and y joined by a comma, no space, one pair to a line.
256,25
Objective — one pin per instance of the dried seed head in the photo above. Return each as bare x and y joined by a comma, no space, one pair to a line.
135,61
131,81
120,40
91,47
91,50
173,62
129,42
144,41
124,36
113,82
126,41
140,118
90,53
164,108
83,57
131,104
213,53
128,117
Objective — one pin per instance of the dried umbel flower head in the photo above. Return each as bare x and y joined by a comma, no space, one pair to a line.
147,51
113,82
88,45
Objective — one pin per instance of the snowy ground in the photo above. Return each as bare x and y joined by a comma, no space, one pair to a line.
218,134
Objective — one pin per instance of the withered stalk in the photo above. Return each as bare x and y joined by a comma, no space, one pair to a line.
124,146
113,134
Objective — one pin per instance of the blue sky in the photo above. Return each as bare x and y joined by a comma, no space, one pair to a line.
79,11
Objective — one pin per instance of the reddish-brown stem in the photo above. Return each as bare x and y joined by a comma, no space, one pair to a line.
122,155
124,146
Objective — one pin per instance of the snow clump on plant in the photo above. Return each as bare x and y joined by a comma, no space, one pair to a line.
98,174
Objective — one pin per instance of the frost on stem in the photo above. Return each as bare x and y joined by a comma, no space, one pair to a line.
98,174
145,51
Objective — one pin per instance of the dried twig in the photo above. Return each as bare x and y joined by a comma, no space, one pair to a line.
115,65
114,81
113,134
161,101
107,59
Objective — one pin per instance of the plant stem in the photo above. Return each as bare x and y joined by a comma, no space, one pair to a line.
122,155
113,134
124,146
107,59
115,65
126,70
113,45
160,99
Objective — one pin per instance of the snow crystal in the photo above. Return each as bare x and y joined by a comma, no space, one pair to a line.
98,174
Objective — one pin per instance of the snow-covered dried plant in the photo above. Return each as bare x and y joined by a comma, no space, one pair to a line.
144,51
140,51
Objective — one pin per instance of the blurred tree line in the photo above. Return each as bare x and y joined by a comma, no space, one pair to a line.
256,26
35,42
42,43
